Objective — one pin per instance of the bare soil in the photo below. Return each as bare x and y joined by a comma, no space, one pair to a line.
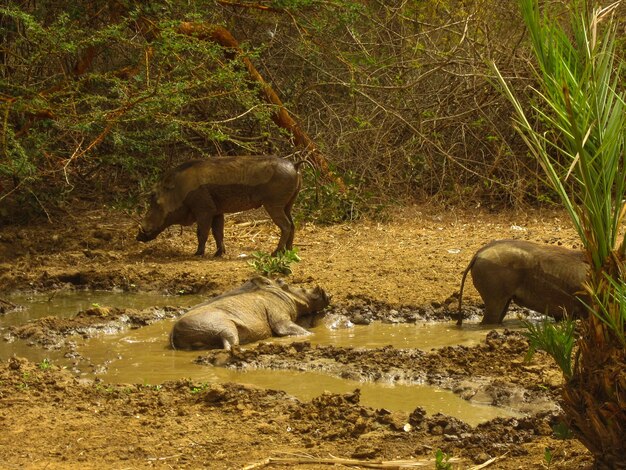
405,269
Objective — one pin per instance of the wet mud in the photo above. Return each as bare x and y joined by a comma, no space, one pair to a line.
406,270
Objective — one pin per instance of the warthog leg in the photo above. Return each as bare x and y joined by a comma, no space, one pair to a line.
495,310
217,227
229,336
286,225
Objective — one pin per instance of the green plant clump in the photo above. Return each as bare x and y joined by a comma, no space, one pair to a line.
201,388
547,457
442,460
557,339
268,265
562,431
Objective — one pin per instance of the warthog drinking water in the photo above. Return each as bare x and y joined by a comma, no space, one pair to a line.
203,191
543,278
258,309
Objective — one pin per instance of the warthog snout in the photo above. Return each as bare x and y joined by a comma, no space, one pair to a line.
143,236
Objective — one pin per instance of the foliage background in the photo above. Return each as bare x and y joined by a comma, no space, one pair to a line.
100,97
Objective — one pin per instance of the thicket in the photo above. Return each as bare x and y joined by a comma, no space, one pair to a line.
98,98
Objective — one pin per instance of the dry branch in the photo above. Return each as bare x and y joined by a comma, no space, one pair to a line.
411,463
407,463
281,117
254,6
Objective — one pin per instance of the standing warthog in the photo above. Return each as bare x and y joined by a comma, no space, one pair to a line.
258,309
543,278
203,191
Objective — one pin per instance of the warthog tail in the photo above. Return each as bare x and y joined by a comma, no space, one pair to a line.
459,318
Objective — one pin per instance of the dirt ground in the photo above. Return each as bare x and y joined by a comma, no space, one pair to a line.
405,269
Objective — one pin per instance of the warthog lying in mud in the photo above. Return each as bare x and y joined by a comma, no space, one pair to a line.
258,309
203,191
544,278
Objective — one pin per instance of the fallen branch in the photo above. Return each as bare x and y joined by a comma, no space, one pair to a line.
409,463
488,462
253,223
349,462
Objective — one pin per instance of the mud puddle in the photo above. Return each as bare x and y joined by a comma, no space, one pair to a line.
332,330
142,356
67,303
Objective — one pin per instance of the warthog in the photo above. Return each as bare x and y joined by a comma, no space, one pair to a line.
544,278
203,191
258,309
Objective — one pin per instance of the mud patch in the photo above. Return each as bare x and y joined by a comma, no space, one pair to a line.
491,373
52,419
267,421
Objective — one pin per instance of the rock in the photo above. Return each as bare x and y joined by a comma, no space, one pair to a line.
417,417
359,319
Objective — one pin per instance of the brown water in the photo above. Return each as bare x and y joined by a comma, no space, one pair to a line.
66,304
143,356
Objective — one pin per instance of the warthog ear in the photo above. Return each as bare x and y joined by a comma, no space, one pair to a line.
322,294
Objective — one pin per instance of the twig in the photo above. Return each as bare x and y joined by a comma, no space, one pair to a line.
40,205
7,303
155,459
488,462
258,464
253,223
53,295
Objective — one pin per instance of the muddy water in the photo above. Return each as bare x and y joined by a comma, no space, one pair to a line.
66,304
420,335
142,355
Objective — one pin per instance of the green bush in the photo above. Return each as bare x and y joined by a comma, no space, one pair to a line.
327,203
268,265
